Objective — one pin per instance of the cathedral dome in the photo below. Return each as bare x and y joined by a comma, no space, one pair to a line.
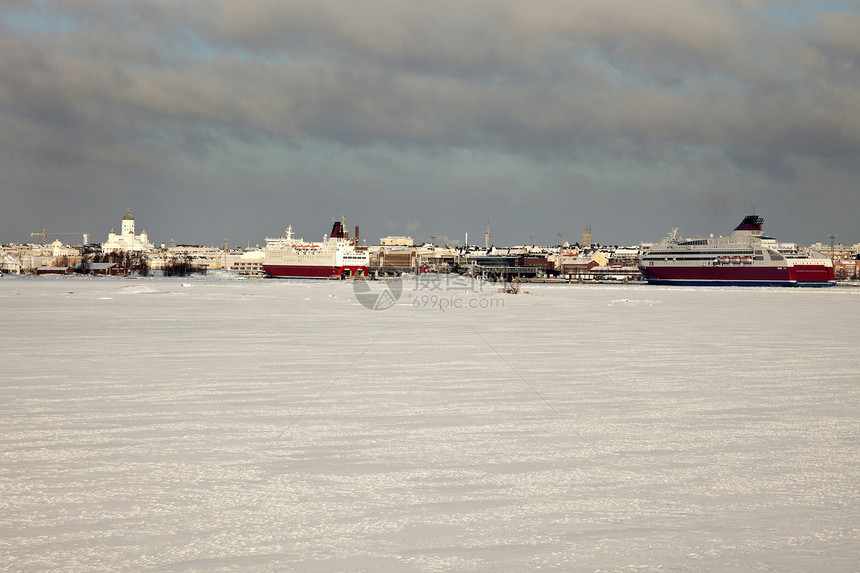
127,216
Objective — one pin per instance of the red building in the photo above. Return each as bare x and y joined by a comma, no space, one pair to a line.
107,269
49,270
846,269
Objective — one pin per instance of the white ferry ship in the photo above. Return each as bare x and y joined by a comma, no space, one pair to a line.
745,258
335,257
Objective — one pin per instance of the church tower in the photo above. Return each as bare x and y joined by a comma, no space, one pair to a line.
128,224
586,237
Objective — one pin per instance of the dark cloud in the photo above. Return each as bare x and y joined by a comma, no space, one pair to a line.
413,110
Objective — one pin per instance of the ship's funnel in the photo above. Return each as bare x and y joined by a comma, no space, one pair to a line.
751,225
338,231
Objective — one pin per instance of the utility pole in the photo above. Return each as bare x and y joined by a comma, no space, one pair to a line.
833,252
560,247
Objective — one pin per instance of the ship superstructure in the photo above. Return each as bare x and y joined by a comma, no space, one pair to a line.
746,258
337,256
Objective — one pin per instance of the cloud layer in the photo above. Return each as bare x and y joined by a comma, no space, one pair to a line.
541,117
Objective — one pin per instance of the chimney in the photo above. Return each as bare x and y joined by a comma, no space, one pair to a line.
356,235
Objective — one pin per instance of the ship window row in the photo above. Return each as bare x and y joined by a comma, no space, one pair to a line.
691,258
696,255
711,253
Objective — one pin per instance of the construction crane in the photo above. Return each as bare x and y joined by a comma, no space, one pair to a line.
45,233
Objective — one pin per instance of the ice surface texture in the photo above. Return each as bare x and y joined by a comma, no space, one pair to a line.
282,426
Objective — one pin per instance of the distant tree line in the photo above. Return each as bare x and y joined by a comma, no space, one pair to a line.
180,267
132,261
174,267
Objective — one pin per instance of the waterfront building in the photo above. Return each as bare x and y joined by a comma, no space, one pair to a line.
396,241
107,269
625,257
52,270
25,258
399,259
247,263
201,257
127,240
583,264
10,261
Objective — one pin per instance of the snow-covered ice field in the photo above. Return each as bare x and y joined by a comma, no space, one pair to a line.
205,425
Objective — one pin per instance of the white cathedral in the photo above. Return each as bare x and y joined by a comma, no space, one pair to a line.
127,240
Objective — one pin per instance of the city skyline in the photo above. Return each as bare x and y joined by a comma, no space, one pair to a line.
114,240
214,121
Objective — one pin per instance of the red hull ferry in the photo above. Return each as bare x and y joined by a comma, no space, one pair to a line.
335,257
746,258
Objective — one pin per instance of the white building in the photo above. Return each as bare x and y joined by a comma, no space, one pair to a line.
127,240
393,241
10,261
58,249
248,264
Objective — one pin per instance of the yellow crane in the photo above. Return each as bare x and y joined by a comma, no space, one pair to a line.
45,233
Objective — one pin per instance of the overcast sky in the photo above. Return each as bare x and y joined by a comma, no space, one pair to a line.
214,120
